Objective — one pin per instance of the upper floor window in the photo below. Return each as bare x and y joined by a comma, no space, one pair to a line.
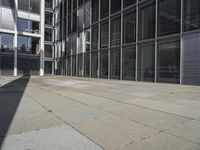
27,25
6,42
29,5
7,3
49,4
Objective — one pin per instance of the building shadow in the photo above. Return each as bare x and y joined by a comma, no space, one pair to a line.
10,97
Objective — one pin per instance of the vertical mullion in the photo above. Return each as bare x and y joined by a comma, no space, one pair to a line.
109,24
121,48
156,42
181,45
137,27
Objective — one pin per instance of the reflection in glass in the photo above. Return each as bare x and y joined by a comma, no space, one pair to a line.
169,62
147,21
146,62
129,62
6,42
191,15
169,13
115,63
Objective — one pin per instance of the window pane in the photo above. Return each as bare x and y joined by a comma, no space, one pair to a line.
115,63
74,4
87,65
129,61
147,22
115,6
129,27
80,2
80,65
95,10
115,31
8,3
104,64
22,25
48,34
73,65
6,43
69,6
191,14
87,13
23,5
104,35
35,6
80,18
74,25
49,4
34,27
48,18
104,8
146,62
94,63
22,44
95,37
88,40
6,64
48,51
169,13
129,2
169,62
48,67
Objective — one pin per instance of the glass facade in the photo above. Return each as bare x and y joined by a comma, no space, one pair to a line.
142,40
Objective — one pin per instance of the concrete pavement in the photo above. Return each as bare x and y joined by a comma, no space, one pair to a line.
63,113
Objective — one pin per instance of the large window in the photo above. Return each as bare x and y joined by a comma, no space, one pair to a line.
115,32
7,17
115,63
115,6
87,13
129,27
6,41
24,25
80,18
95,37
95,10
29,5
74,23
8,3
191,14
104,34
146,62
129,61
104,8
169,13
104,64
128,2
169,62
80,65
28,45
147,21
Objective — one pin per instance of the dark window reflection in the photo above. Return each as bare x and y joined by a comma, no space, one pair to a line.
147,21
49,4
104,64
95,10
8,3
129,27
169,62
104,34
87,64
169,13
115,63
129,3
24,25
115,31
115,6
95,37
129,62
94,62
146,62
191,14
104,8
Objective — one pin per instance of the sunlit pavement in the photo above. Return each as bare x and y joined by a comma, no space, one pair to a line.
63,113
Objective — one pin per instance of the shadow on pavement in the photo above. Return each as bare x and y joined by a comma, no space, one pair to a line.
10,97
